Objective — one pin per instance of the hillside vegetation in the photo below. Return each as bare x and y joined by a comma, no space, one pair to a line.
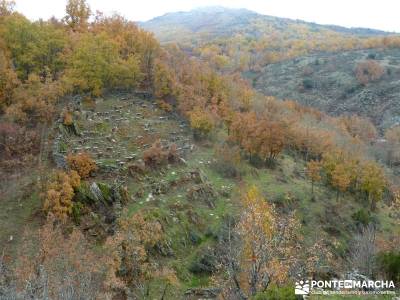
317,65
331,83
242,40
135,170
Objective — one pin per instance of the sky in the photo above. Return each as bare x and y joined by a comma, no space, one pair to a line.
382,14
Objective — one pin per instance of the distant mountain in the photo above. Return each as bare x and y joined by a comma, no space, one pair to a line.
216,22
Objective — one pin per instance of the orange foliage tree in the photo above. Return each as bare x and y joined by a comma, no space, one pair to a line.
360,128
129,263
267,252
340,178
81,163
368,71
258,136
157,155
60,193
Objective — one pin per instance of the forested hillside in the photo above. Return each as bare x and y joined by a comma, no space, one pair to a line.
241,40
132,169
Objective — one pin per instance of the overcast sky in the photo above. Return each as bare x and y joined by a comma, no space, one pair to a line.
382,14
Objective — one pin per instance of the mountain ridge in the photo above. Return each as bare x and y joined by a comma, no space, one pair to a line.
209,17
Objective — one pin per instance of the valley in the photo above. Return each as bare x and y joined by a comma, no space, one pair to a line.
227,156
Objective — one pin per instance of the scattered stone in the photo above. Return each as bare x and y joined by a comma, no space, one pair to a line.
203,293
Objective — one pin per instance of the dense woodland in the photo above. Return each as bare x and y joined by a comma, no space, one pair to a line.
261,246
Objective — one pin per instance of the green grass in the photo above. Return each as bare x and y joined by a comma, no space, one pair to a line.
20,202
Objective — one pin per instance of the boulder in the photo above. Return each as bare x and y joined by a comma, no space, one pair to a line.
96,192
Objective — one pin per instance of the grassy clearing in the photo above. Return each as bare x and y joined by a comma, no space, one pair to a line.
20,204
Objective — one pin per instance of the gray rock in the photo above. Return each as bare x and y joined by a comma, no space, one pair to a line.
96,192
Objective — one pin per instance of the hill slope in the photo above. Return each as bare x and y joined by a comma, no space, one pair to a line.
280,56
327,81
220,22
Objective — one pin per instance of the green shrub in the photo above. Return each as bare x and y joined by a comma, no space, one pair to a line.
308,84
77,212
83,194
204,263
194,237
105,191
362,217
389,262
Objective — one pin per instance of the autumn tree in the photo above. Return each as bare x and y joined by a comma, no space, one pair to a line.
340,178
82,163
312,142
78,13
60,193
373,182
313,170
34,47
339,169
134,45
267,247
8,81
34,101
54,264
158,155
163,81
360,128
96,65
165,106
261,249
242,131
90,64
201,122
258,136
270,137
130,264
368,71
